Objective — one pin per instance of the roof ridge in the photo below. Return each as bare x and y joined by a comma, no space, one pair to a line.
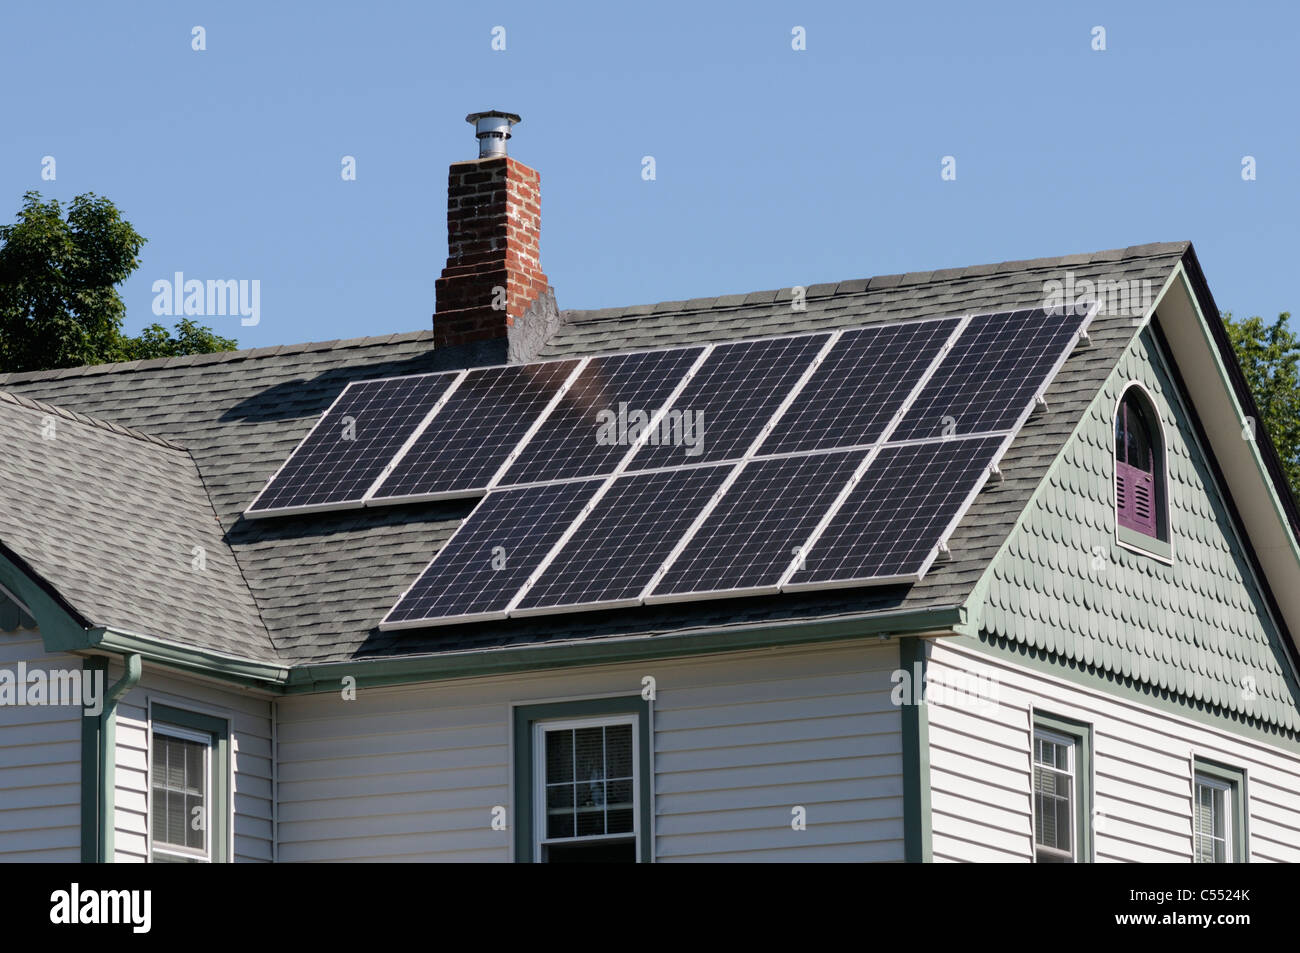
97,422
885,282
216,357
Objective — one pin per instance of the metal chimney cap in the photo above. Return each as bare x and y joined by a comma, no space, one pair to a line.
492,128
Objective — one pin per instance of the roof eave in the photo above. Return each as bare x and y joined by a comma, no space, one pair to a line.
389,670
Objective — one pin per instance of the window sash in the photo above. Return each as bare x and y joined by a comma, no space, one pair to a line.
1212,821
541,729
1064,807
162,785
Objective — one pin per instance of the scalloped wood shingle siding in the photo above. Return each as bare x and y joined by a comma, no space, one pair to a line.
1197,632
1199,627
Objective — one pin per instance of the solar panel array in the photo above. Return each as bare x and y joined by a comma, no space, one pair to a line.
346,452
801,462
826,460
474,433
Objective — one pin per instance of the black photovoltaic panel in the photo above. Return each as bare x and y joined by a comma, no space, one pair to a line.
623,542
469,576
730,399
473,433
986,381
340,459
749,539
859,387
897,513
569,444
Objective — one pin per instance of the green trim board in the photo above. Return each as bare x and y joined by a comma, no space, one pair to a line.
326,677
1142,543
525,717
218,729
99,763
94,813
59,623
1081,733
1237,780
918,839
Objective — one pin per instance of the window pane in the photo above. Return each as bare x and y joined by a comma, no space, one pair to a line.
559,810
1213,830
619,808
589,754
618,750
559,756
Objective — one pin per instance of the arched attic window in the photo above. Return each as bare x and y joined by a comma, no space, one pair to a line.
1140,491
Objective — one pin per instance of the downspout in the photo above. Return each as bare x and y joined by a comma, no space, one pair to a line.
108,755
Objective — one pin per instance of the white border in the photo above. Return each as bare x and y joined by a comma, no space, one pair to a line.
1163,474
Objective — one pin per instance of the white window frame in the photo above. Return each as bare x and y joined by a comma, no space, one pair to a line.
174,850
1072,760
1200,780
540,728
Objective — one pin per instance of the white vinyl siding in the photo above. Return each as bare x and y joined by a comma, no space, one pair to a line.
249,715
40,764
413,773
1142,770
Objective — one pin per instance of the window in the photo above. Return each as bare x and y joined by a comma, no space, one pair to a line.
1062,785
582,781
1140,493
188,787
1219,816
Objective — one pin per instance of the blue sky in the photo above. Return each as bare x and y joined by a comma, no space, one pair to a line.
775,167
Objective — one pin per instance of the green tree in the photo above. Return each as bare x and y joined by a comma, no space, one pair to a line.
1269,355
190,338
59,304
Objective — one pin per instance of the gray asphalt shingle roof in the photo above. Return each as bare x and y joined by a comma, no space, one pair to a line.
120,524
322,582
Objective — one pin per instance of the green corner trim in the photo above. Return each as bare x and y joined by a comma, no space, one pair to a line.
1238,780
918,839
219,730
1081,732
526,716
93,765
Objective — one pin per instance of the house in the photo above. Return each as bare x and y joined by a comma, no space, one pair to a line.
1098,662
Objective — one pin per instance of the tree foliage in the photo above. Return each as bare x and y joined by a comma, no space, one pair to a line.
1269,355
59,304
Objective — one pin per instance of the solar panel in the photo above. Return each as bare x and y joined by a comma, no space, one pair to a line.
859,387
589,432
338,461
618,548
491,555
473,434
729,401
990,377
751,536
890,523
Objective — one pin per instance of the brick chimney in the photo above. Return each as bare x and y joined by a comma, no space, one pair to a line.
493,274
